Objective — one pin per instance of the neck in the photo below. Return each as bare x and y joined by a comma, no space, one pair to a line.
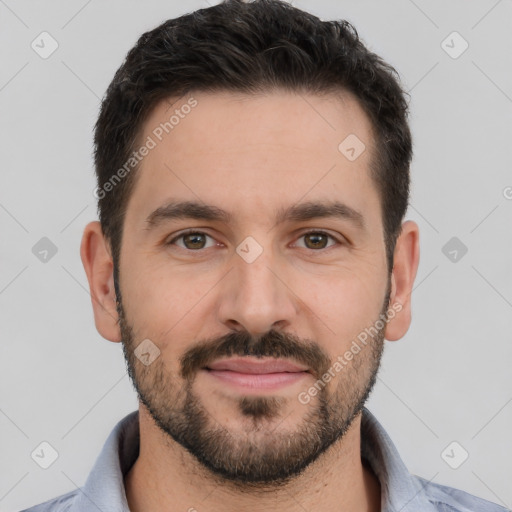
165,477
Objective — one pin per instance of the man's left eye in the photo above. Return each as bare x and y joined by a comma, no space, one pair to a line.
317,240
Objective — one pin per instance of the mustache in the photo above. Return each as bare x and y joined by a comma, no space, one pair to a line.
241,343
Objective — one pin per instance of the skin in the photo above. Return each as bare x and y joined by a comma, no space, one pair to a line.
251,155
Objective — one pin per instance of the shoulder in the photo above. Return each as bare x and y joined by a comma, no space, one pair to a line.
61,503
450,499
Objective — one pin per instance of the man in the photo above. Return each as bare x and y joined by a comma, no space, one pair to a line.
253,176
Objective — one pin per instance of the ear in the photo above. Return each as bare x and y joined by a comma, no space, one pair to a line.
405,265
99,267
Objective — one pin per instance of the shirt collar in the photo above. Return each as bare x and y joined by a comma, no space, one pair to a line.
400,491
104,488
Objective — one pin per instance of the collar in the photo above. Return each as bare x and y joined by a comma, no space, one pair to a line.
400,491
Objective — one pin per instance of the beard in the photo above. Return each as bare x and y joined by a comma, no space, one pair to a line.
259,455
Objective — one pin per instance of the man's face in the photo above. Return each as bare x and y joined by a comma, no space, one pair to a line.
296,289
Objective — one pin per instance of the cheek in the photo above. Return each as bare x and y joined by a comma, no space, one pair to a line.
344,305
343,299
165,304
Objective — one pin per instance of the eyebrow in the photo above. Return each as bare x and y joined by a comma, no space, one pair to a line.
310,210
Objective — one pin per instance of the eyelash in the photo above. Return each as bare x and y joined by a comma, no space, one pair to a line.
198,232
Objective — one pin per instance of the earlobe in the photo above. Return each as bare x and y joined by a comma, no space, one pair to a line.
98,265
405,266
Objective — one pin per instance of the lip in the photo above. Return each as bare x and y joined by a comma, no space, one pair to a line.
250,365
250,374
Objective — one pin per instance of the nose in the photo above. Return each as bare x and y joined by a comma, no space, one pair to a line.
256,296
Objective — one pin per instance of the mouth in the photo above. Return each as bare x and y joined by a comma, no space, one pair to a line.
250,373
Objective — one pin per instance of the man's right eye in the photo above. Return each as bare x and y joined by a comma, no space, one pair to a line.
192,240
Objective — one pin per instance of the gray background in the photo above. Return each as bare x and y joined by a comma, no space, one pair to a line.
447,380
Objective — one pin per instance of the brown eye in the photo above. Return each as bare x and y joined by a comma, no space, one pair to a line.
192,240
317,240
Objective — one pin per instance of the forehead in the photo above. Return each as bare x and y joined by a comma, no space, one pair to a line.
238,121
242,151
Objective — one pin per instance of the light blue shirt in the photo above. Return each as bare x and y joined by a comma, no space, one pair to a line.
401,491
